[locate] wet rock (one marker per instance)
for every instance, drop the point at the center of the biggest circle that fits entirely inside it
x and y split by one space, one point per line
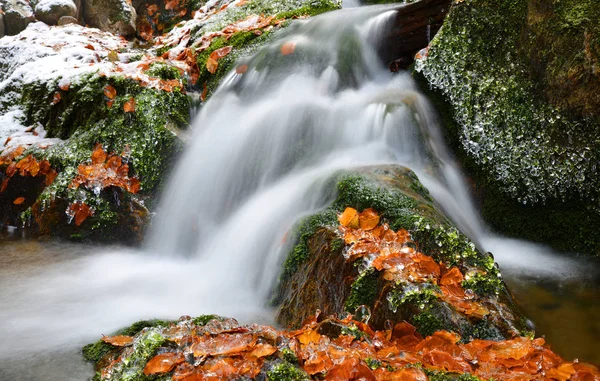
50 11
17 15
523 87
65 20
1 25
318 274
114 16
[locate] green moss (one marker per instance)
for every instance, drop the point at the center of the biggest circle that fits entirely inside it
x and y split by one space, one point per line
437 375
305 230
288 355
422 295
285 371
483 329
372 363
95 351
352 330
137 327
163 71
428 323
204 319
483 284
364 290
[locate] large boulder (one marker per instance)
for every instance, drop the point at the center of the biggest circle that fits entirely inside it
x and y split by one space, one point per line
522 81
399 270
50 11
114 16
17 15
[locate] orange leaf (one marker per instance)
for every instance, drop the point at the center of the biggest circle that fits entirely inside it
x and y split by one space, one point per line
204 92
171 4
129 106
44 167
65 86
19 201
110 92
349 218
262 350
241 69
12 168
288 48
212 65
99 155
309 336
133 186
368 219
117 341
163 363
56 99
220 53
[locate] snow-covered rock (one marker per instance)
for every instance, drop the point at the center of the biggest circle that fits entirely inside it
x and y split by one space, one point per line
50 11
17 15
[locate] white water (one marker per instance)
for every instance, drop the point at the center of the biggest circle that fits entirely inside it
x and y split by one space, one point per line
262 151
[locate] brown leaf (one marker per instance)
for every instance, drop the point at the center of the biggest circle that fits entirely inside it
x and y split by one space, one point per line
212 65
19 201
204 92
117 341
11 169
110 92
241 69
56 99
133 186
129 106
262 350
220 53
65 86
163 363
368 219
288 48
349 218
50 177
4 185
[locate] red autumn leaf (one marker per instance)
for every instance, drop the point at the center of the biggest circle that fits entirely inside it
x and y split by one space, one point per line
19 201
129 106
288 48
110 92
133 186
349 218
163 363
368 219
117 341
204 92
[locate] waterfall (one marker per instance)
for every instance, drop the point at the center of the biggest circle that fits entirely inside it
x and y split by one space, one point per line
262 151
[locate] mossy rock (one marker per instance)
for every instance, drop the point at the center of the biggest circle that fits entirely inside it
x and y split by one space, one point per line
317 276
522 83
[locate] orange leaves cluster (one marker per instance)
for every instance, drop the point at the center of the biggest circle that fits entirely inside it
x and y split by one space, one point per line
213 60
105 171
394 253
325 350
28 166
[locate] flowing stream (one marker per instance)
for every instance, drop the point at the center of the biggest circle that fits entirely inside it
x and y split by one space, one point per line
262 151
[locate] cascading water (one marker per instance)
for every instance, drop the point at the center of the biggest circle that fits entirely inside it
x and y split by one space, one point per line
263 149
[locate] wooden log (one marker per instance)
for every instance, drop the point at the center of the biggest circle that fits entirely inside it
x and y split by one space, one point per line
414 26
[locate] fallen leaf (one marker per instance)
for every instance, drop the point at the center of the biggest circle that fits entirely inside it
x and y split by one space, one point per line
220 53
117 341
241 69
98 155
110 92
129 106
349 218
288 48
19 201
163 363
56 99
368 219
212 65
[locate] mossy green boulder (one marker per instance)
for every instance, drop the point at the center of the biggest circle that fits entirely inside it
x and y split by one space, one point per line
522 81
318 275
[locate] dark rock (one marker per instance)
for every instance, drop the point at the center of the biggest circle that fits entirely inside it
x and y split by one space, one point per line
17 15
115 16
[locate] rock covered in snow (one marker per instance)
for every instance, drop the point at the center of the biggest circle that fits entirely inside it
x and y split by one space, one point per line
50 11
17 15
114 16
